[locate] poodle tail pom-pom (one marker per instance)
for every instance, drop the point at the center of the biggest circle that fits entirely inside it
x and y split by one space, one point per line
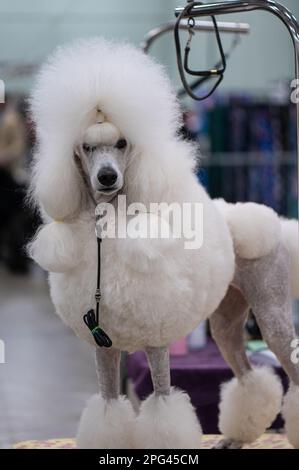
54 247
255 228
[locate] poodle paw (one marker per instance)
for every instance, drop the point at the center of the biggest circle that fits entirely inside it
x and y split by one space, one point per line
249 406
228 444
106 424
167 422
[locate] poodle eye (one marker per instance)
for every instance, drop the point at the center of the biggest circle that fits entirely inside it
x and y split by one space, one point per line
121 144
88 148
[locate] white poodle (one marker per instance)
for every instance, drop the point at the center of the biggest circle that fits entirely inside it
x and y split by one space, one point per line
107 124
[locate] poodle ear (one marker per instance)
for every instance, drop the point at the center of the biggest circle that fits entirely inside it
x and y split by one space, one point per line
57 184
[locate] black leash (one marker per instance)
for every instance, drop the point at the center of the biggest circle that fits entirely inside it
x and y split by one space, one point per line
92 318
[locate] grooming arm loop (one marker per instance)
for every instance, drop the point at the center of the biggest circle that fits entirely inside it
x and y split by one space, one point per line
235 6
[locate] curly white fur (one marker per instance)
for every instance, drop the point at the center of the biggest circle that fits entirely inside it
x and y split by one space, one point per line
167 422
54 247
107 425
104 132
249 407
290 411
255 228
148 255
64 105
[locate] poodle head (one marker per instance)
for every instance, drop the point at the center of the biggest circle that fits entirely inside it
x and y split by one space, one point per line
139 114
103 154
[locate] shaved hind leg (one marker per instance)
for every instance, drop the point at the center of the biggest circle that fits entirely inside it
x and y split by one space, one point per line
266 286
227 326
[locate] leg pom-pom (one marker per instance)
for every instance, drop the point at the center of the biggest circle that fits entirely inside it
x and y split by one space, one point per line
106 424
248 407
168 422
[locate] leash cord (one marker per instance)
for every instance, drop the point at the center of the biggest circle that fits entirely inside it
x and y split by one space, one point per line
92 318
98 293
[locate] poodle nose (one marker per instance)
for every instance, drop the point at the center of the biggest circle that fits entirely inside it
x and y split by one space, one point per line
107 176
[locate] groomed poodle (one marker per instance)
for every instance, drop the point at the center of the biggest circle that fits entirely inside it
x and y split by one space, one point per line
107 124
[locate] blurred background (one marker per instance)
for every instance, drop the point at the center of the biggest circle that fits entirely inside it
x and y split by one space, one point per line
247 135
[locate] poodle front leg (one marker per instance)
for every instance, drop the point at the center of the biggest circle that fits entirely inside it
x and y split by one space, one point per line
108 421
108 372
167 419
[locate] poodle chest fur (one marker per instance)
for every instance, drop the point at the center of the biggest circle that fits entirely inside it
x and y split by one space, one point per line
143 304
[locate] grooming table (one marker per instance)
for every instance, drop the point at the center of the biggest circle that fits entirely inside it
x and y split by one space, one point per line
267 441
200 374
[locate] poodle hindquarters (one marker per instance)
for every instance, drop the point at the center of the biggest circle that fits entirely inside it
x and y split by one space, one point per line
265 281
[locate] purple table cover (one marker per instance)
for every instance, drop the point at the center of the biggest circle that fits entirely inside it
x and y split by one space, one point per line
200 374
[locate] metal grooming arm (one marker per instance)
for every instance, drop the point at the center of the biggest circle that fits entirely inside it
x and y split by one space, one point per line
207 26
289 20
